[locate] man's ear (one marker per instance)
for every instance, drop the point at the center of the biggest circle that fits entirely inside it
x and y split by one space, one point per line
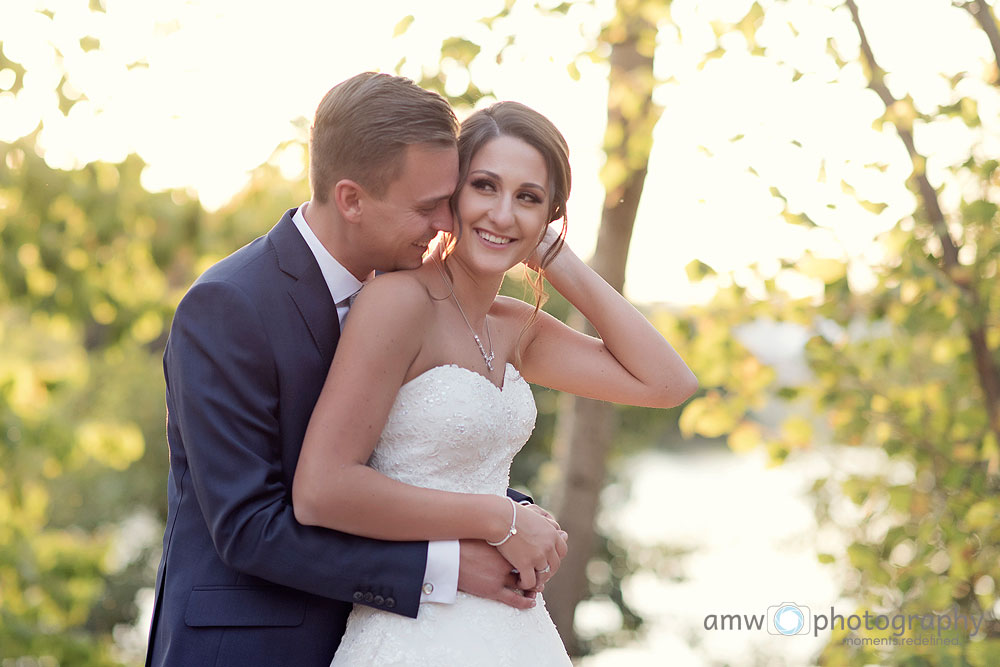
349 196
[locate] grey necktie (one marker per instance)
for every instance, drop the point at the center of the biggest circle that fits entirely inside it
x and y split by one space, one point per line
349 301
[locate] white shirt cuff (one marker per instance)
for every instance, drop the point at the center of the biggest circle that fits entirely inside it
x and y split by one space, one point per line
441 574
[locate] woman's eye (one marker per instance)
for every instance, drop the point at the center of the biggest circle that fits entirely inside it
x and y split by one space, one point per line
483 184
530 197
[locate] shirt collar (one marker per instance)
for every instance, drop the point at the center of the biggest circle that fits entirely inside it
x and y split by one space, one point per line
341 282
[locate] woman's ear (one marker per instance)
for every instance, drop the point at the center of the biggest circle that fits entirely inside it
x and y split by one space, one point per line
349 196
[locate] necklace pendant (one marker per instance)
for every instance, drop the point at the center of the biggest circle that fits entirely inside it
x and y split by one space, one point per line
488 358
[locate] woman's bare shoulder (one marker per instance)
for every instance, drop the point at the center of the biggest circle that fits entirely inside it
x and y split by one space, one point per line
399 297
507 307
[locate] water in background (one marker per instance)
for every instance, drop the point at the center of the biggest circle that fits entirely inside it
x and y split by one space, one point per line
754 539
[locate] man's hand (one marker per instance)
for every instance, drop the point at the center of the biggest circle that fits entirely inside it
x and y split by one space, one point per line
483 572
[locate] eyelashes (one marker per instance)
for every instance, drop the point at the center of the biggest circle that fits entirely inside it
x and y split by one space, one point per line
486 185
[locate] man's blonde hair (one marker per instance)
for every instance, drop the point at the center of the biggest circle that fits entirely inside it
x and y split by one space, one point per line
363 125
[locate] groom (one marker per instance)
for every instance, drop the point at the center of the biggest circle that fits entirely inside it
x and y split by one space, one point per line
241 582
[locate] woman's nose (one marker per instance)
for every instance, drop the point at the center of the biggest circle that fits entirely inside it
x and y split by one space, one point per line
502 212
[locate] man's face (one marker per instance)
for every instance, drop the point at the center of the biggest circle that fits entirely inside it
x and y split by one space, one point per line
413 209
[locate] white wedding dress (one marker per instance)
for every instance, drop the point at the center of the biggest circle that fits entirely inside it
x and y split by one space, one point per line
452 429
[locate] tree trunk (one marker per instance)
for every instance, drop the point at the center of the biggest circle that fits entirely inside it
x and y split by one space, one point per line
585 428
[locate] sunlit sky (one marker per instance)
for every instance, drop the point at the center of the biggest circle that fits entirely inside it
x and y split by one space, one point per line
220 83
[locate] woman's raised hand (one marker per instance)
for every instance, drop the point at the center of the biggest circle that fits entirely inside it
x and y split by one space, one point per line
551 235
538 547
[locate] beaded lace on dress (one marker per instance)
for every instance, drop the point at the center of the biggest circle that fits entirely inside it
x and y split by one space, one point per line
453 429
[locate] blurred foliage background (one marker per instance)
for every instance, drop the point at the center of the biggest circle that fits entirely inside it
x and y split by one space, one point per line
93 265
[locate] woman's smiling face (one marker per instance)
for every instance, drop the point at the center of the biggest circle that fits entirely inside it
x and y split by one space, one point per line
504 205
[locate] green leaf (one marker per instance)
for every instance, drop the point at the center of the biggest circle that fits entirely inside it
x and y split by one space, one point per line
874 207
460 49
970 112
900 497
403 25
708 416
979 212
985 653
115 445
856 489
825 269
745 437
798 219
863 557
981 514
697 270
797 432
940 594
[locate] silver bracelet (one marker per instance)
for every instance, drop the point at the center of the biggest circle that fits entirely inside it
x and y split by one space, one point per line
513 525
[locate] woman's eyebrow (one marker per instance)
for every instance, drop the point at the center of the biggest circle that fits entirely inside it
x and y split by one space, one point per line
495 176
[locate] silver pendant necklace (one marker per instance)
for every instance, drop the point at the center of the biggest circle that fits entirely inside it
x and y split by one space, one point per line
488 358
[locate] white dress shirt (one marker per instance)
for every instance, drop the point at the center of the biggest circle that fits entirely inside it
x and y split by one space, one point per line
441 573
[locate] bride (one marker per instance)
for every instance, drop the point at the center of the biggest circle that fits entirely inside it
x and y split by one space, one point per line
427 400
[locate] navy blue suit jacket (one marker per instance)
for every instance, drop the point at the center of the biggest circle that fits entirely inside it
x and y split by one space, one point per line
241 582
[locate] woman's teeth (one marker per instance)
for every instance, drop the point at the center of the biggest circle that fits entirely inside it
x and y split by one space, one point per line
501 240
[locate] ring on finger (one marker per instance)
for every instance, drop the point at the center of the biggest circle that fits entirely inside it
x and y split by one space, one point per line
548 568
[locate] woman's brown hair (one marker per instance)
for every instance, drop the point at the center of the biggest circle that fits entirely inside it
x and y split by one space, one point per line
512 119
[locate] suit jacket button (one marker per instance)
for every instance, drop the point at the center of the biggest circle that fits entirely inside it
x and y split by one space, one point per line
379 600
368 596
358 597
390 602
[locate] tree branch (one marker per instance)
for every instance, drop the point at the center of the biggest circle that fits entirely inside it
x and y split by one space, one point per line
986 367
876 82
981 11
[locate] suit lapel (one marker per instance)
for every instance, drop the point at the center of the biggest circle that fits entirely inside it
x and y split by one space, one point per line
309 291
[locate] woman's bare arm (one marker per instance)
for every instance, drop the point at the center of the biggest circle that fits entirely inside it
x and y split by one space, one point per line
631 363
335 488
